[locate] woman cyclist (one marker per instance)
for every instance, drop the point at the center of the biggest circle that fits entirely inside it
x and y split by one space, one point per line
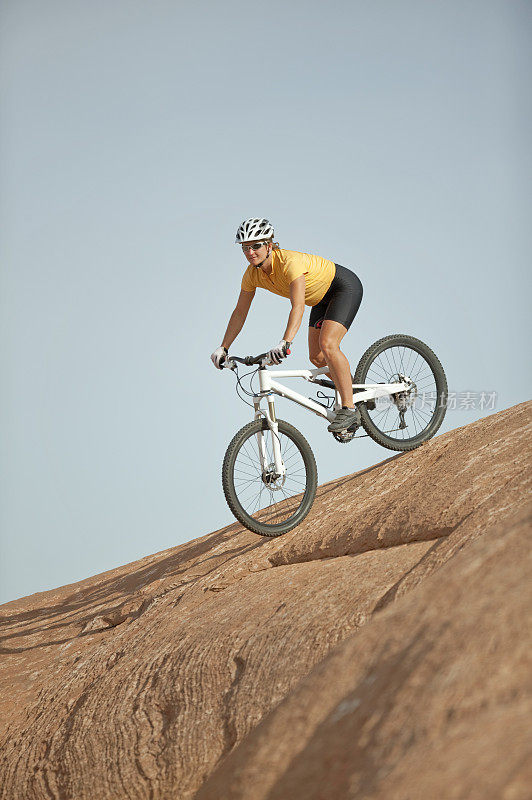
333 292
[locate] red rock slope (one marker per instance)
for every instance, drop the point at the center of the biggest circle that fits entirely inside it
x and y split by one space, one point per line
380 650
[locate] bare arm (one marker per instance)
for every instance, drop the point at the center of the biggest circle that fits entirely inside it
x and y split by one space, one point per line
297 298
238 317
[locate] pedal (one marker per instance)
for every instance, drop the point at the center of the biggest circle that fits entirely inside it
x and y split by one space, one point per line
344 436
347 434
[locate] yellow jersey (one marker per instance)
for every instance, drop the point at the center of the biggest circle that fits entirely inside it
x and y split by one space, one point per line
287 265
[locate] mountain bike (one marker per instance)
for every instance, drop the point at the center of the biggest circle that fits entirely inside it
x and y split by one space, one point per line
269 473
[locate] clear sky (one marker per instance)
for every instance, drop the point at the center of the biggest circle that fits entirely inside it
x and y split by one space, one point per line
391 137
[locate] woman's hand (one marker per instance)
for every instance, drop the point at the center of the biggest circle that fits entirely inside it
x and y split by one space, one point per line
219 356
276 354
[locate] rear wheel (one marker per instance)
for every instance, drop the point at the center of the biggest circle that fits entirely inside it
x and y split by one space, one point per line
406 420
262 501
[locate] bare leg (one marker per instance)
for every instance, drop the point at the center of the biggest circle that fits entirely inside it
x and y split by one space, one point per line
314 350
331 335
315 354
339 371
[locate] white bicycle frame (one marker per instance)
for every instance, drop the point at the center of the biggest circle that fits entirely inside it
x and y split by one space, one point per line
270 387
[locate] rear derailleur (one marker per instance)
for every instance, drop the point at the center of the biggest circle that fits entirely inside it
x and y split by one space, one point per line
403 400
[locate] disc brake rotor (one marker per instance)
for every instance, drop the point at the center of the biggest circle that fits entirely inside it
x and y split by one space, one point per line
272 479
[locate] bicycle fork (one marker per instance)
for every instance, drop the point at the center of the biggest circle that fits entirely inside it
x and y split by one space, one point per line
269 415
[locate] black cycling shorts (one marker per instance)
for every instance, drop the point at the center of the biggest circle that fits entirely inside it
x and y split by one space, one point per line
341 300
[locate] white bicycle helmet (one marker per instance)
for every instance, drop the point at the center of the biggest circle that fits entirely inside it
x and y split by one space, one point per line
254 228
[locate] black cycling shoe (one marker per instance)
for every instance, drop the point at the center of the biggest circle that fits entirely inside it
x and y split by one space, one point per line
346 418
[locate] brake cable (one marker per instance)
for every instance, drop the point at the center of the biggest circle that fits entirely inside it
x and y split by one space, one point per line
239 378
321 395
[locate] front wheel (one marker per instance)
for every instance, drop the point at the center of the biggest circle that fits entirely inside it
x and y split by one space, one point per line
262 501
409 418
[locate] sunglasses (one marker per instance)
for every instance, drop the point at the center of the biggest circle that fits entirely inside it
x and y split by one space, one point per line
246 247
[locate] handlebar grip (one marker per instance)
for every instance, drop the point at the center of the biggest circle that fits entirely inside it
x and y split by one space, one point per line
251 360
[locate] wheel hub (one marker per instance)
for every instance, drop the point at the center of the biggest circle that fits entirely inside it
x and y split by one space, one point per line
270 478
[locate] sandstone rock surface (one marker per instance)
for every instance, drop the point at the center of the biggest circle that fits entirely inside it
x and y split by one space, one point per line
380 650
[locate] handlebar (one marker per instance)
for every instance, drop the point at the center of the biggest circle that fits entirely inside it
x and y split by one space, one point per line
249 361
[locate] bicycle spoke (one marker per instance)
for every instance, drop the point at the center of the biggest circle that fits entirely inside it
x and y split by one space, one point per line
280 499
388 367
